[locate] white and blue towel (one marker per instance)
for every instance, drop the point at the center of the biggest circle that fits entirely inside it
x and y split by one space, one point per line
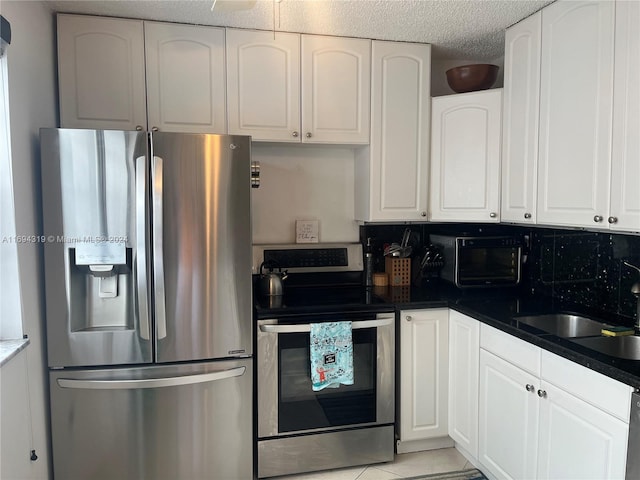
331 355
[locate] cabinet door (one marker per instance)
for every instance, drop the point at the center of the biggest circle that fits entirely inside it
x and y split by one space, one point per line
575 113
396 166
465 157
263 85
185 78
577 440
464 358
520 121
625 194
336 78
101 73
423 374
508 419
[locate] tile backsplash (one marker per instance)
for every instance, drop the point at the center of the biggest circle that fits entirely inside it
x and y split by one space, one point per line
569 265
585 268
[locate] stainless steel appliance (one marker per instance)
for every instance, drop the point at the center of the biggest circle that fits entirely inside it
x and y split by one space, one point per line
300 430
480 261
633 462
149 307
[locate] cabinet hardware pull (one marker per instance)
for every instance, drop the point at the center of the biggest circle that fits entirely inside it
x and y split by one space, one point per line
542 393
423 214
612 219
308 134
527 216
139 128
530 388
154 129
409 318
598 218
294 134
493 214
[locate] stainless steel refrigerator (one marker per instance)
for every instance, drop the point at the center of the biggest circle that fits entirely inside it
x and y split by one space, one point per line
147 242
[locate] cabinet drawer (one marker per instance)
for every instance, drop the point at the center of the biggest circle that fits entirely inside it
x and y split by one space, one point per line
510 348
599 390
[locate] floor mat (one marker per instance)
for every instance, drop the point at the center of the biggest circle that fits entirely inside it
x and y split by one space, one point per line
472 474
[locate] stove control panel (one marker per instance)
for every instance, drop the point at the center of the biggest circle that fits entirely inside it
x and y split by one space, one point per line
309 258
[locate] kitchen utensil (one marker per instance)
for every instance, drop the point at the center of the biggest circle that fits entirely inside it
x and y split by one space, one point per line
271 283
469 78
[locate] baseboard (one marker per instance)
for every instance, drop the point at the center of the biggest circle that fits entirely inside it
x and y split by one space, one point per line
410 446
465 453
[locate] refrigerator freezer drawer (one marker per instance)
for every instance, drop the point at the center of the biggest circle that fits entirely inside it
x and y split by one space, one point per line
159 422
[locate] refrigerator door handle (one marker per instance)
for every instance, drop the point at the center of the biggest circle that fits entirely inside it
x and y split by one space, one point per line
150 382
382 321
158 264
141 247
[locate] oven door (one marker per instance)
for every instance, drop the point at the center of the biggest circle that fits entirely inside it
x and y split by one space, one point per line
287 403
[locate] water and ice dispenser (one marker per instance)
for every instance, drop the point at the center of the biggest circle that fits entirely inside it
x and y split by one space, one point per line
94 198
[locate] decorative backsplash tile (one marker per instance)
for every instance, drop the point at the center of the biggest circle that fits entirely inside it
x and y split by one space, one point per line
585 268
569 265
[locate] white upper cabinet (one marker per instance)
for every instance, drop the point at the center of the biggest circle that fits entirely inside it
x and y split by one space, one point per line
393 172
298 88
575 113
520 121
185 78
465 157
101 73
336 89
101 67
263 85
625 173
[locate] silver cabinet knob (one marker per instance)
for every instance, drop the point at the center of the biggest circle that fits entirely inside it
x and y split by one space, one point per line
612 220
294 134
527 216
598 218
493 214
154 129
423 214
139 128
308 134
408 318
530 388
542 393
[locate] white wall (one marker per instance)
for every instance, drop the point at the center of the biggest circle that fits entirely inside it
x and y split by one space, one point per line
32 100
304 183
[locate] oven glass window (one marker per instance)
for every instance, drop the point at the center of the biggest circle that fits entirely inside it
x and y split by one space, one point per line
494 263
300 408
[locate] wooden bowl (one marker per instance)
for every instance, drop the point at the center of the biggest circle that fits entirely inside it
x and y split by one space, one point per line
469 78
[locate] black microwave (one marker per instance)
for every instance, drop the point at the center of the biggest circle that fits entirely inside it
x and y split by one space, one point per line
480 261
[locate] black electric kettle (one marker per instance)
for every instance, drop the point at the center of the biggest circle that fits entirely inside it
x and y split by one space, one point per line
271 283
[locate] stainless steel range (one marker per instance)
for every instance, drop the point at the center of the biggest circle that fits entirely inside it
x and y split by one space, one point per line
301 430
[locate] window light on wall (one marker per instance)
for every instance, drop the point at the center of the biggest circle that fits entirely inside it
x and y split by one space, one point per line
10 303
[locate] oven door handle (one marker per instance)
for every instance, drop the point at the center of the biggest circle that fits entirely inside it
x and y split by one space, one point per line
381 321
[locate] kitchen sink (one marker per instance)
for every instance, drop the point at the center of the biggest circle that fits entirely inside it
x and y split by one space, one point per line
566 325
627 347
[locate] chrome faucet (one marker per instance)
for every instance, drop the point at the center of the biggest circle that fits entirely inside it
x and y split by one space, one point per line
635 290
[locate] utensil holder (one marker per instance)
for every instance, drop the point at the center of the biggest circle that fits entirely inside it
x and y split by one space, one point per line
398 270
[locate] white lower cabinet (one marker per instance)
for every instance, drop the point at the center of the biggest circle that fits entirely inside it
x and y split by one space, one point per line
464 348
544 417
424 377
508 419
577 440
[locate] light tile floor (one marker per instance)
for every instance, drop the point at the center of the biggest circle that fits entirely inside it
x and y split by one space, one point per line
405 465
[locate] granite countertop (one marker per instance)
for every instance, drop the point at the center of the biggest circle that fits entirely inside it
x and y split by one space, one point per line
10 348
498 308
495 307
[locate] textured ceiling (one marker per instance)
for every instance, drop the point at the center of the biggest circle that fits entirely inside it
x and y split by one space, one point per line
457 29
